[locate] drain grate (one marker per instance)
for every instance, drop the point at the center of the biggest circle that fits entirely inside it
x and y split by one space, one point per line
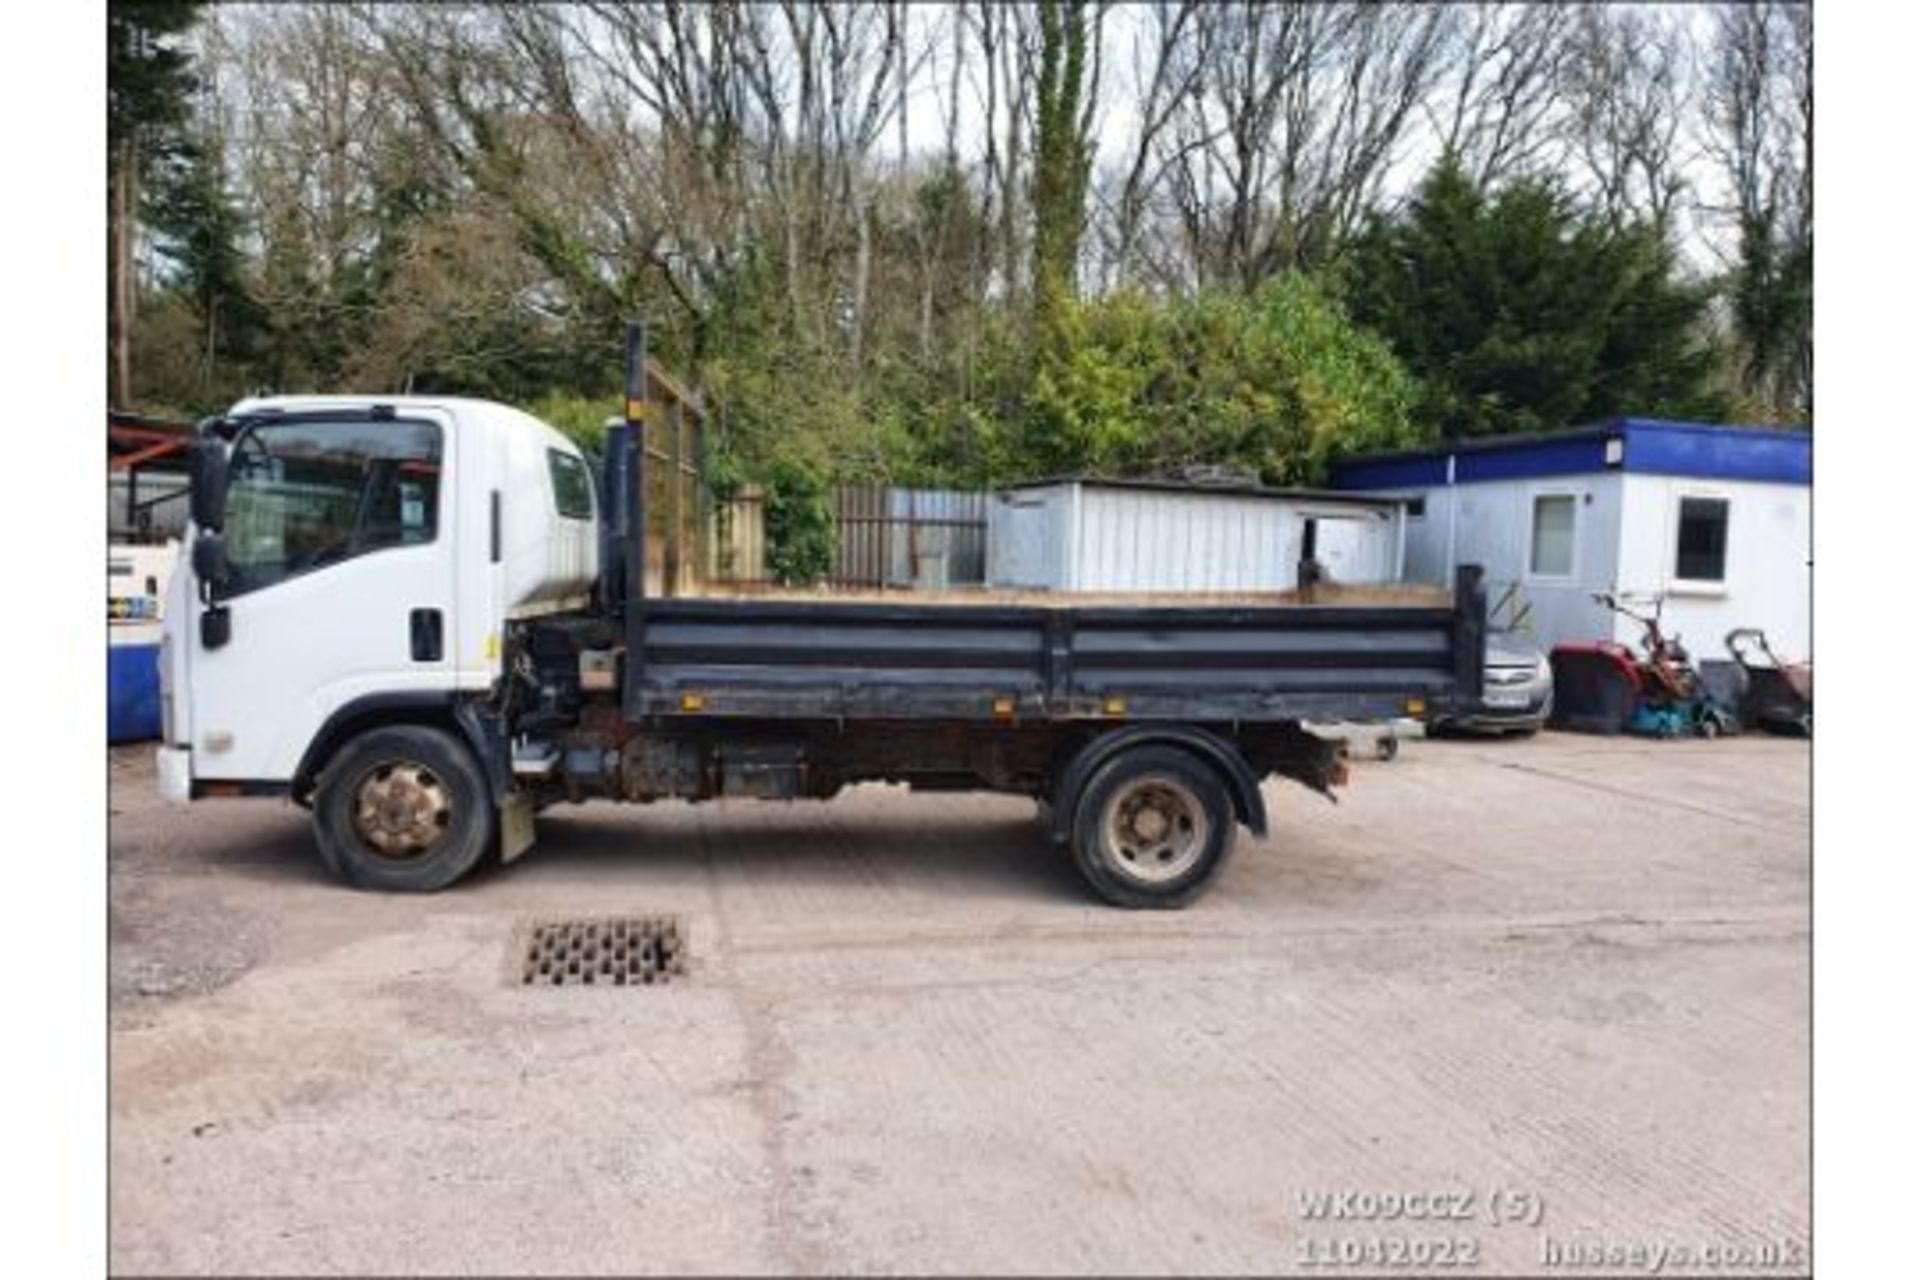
603 951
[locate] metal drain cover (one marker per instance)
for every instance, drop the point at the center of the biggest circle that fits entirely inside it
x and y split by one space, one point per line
602 951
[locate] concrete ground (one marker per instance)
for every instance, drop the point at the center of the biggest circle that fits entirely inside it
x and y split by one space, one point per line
1567 979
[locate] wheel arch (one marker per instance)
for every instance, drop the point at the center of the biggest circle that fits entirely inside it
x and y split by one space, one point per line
1243 786
443 710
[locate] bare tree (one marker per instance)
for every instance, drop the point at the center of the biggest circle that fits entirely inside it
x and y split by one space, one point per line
324 157
931 228
1294 122
1169 53
1627 74
1507 88
1008 40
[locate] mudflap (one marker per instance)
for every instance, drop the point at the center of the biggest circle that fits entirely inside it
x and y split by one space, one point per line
516 827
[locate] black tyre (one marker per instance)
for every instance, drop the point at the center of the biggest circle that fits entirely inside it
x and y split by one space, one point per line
1152 827
403 809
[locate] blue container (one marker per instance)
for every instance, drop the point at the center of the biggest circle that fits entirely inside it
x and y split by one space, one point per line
133 692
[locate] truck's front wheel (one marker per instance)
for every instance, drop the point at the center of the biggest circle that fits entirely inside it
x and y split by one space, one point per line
404 809
1152 827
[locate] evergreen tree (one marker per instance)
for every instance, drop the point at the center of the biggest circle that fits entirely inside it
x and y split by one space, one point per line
197 231
1517 312
1770 292
148 86
148 76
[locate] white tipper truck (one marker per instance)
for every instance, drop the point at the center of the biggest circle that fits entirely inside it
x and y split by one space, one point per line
425 619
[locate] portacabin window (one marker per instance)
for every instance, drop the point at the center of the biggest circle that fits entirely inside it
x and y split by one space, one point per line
1700 539
304 495
572 485
1551 544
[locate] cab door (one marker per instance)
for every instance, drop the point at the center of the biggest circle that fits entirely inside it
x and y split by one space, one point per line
340 540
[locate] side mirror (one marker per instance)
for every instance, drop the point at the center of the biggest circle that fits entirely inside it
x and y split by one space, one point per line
209 482
216 626
210 558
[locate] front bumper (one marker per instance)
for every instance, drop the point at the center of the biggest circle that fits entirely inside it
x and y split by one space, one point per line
1508 704
1502 718
174 773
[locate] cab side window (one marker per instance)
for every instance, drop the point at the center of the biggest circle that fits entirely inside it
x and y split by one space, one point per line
572 485
304 495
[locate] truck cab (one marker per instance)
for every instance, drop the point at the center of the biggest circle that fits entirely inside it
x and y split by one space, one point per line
357 566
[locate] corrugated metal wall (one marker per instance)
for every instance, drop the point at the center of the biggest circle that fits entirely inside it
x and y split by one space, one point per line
1077 537
1360 549
938 537
1074 537
1026 537
1141 540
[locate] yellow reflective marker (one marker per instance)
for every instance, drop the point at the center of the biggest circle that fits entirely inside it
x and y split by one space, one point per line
1003 706
1415 706
1114 706
692 702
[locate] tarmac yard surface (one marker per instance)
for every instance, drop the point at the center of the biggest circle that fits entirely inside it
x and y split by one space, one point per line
1561 986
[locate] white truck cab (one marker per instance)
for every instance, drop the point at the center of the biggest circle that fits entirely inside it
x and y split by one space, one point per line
374 548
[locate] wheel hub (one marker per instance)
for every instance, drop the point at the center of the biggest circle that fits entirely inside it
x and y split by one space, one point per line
1158 827
402 810
1151 824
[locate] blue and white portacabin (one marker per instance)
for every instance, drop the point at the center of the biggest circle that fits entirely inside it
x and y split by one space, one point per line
137 578
1715 520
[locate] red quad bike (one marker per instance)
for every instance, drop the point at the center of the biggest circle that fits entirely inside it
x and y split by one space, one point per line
1672 700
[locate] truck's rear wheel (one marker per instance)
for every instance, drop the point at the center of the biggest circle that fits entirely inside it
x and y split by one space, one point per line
403 809
1152 827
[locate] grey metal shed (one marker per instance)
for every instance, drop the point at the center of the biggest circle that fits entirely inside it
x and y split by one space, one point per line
1082 533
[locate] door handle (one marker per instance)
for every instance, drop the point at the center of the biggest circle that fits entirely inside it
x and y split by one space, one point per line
425 634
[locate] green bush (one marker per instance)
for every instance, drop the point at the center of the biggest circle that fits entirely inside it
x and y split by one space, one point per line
724 476
800 532
1275 383
581 419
